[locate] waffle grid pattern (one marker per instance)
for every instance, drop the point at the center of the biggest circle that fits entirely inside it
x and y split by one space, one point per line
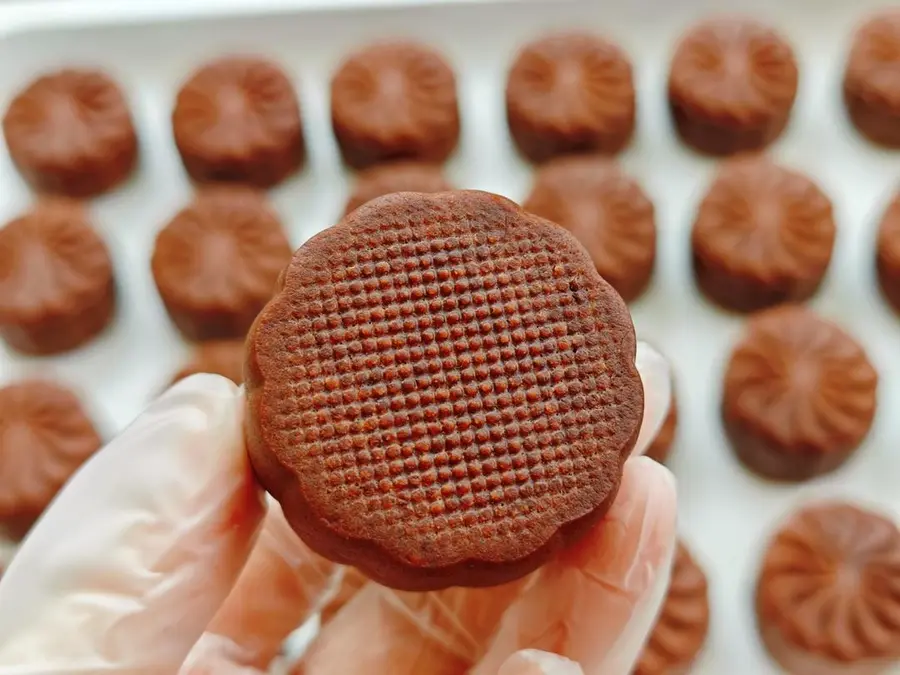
447 381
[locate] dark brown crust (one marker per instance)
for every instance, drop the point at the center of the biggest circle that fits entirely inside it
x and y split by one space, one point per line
763 236
871 92
383 179
279 344
57 289
607 212
36 463
799 395
216 262
395 101
58 148
224 135
826 596
219 357
661 445
599 115
683 622
720 110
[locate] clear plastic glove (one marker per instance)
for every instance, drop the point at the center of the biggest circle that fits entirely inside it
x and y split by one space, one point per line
159 558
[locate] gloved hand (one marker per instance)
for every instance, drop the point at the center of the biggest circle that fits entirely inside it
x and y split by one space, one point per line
160 556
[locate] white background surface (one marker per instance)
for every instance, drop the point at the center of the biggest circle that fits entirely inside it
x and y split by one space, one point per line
725 513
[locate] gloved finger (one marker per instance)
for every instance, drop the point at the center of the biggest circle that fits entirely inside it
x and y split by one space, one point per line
282 584
351 583
138 551
535 662
399 633
218 655
596 603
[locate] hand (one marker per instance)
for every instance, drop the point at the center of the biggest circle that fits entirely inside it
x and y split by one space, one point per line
160 557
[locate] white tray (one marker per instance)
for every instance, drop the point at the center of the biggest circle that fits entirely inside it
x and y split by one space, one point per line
725 512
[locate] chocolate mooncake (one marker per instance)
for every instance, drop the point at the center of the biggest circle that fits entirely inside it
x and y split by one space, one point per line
442 391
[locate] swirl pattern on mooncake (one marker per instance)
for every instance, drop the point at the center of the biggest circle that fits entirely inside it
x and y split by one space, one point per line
732 85
828 593
570 92
217 261
57 289
799 394
237 119
70 133
45 436
763 235
607 211
395 101
683 621
872 79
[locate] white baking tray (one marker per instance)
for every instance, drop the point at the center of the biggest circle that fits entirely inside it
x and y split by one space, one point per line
725 513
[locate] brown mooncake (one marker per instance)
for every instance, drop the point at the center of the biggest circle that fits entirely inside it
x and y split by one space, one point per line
683 622
45 436
763 235
384 179
216 262
732 86
57 288
828 593
570 93
237 119
872 79
395 101
443 391
799 395
607 211
70 133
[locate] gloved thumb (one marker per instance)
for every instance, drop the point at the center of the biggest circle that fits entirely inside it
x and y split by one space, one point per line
127 567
